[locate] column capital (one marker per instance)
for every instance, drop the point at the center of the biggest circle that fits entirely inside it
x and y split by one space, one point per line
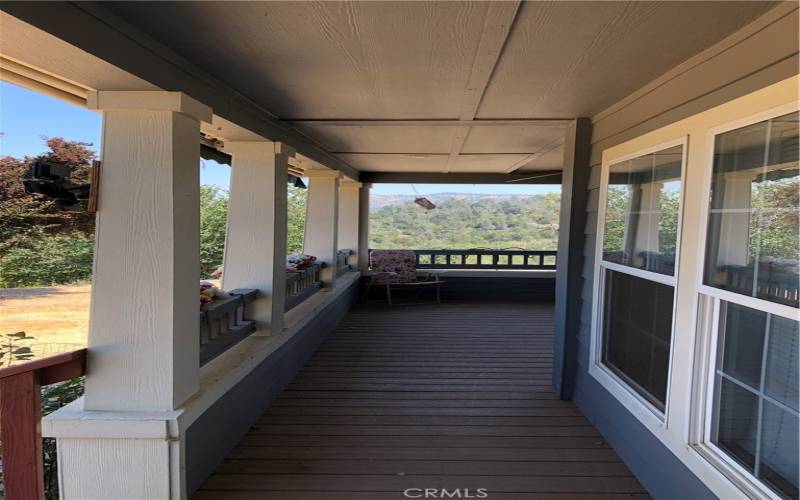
157 100
322 174
264 147
346 182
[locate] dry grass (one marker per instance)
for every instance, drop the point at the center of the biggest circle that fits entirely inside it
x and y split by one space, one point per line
58 317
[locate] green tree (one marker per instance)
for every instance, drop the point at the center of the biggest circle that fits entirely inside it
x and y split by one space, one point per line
296 218
23 217
213 219
529 222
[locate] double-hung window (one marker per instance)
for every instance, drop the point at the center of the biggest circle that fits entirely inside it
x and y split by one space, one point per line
636 272
751 278
696 292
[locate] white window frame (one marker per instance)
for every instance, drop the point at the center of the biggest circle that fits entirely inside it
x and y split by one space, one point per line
686 400
643 409
709 301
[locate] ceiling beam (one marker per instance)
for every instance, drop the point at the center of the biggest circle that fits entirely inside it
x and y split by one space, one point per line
499 18
401 122
426 155
524 161
94 29
543 177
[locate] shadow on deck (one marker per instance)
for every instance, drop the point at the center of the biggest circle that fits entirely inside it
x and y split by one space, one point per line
455 396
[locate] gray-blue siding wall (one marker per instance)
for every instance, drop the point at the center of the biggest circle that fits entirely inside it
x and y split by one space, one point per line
214 434
760 54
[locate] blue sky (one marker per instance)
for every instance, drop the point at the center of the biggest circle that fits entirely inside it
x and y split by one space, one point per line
26 116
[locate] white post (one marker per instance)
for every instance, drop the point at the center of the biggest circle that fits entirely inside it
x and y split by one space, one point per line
143 332
348 219
735 226
363 228
322 218
123 439
255 244
648 217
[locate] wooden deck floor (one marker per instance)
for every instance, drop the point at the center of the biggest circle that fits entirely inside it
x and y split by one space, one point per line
450 396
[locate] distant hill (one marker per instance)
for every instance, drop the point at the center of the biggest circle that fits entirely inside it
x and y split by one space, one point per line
465 220
378 201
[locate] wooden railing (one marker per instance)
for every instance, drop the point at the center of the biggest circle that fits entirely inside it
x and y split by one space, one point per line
223 323
21 415
479 258
301 285
342 266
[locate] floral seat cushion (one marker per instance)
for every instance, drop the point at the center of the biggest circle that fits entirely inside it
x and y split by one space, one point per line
403 263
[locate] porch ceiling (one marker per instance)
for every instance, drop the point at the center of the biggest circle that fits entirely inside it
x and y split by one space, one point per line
437 86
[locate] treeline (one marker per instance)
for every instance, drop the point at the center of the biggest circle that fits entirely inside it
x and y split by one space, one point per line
529 222
41 245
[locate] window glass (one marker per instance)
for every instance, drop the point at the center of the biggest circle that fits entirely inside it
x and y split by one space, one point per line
753 243
755 417
637 326
641 221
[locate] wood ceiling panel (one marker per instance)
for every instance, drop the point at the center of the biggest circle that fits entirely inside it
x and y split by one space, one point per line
485 163
513 138
434 139
567 59
327 59
548 160
429 61
396 163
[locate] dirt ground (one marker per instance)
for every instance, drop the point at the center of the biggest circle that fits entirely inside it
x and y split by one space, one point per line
57 317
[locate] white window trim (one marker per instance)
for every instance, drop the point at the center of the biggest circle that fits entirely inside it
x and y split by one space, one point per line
709 300
647 413
686 383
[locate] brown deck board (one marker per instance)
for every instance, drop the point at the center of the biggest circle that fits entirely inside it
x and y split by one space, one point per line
440 396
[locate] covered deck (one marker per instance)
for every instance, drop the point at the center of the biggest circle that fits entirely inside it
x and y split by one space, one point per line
453 396
295 390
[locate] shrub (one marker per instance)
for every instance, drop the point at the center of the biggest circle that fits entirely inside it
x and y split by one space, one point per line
47 260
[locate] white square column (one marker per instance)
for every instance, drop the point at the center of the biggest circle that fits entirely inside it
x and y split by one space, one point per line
144 325
322 220
255 244
348 218
124 439
363 228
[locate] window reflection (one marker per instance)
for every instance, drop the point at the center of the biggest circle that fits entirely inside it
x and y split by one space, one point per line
756 416
753 241
637 331
641 222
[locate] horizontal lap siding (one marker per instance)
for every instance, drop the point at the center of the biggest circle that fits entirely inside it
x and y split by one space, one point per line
761 54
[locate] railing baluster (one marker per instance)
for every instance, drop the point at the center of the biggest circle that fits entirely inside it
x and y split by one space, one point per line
485 259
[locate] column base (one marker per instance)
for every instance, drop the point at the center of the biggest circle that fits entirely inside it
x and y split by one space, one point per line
106 455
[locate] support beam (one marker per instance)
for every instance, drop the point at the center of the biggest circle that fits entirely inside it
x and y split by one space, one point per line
322 221
123 440
569 279
542 177
363 228
348 219
434 122
499 18
255 243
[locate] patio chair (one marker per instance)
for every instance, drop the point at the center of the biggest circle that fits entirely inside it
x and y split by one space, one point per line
397 270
